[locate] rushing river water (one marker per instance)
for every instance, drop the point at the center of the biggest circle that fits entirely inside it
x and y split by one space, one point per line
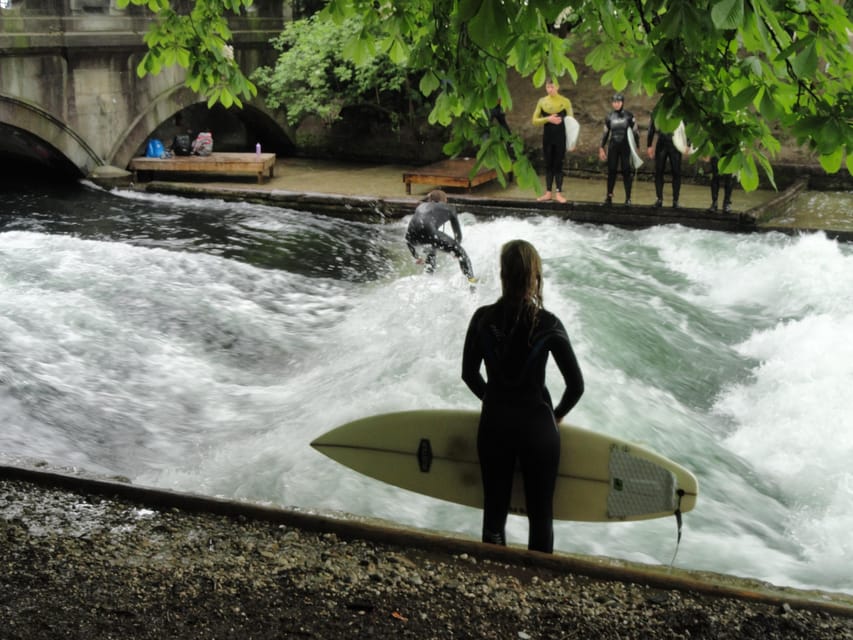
201 345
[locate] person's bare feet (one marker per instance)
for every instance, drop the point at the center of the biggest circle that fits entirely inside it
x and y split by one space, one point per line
545 197
560 198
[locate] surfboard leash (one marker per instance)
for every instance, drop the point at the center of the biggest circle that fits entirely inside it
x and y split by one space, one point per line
678 523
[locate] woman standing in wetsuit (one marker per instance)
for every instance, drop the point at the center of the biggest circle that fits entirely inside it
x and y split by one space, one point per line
618 125
549 114
518 422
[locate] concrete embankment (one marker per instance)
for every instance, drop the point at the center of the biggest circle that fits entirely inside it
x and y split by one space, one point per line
384 533
376 193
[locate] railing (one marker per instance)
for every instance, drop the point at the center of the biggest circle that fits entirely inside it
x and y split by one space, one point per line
34 24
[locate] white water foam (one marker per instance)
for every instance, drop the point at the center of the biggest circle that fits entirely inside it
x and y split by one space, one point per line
726 353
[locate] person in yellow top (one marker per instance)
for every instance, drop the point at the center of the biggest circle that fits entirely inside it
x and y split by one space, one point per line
549 113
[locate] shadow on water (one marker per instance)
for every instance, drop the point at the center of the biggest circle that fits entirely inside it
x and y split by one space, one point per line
303 243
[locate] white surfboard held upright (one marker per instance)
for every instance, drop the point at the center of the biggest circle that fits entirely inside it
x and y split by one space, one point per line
679 138
601 478
573 130
636 160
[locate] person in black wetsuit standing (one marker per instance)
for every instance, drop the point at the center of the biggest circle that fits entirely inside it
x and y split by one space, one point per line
618 125
425 231
662 152
551 110
518 422
728 181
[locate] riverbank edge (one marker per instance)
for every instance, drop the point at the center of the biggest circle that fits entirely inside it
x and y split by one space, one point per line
350 527
378 209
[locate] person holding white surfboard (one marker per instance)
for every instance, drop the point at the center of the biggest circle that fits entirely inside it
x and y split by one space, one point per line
620 129
665 151
549 114
518 423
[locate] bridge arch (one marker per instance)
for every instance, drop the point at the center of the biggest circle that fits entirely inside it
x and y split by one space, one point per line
156 120
43 126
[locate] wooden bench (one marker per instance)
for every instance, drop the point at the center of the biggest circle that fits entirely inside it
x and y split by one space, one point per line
260 164
455 172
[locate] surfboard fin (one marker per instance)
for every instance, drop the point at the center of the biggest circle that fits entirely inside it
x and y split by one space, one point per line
678 524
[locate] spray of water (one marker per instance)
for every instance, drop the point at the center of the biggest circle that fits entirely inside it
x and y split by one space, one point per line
203 348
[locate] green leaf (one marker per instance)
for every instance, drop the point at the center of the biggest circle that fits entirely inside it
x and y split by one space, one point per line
399 52
727 14
490 22
615 77
744 98
467 9
749 174
832 163
357 50
183 57
805 63
429 83
768 107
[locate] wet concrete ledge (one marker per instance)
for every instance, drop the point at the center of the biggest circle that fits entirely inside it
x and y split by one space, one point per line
379 209
353 527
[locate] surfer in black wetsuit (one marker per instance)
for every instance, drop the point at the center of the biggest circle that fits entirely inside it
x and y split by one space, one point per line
662 152
618 125
518 422
425 231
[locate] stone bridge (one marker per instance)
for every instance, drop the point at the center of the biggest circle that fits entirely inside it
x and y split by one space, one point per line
70 97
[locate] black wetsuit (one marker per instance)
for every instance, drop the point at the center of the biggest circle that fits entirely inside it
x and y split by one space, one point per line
728 186
618 125
518 421
554 150
665 151
425 230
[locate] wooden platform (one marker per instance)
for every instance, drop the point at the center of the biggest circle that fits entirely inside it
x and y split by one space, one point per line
455 172
261 165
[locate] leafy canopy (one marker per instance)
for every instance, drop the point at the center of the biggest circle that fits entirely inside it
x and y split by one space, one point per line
736 71
312 75
739 72
198 42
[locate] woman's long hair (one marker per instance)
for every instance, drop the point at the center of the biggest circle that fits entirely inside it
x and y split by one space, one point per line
521 281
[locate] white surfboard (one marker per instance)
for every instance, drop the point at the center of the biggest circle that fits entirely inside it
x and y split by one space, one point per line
636 160
573 130
679 138
601 478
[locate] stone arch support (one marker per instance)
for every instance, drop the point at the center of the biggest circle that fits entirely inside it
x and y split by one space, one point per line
40 123
178 98
146 121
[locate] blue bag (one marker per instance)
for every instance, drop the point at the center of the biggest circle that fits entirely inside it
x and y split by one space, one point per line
154 149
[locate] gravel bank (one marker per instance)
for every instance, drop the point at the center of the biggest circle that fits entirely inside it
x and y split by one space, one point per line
93 565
